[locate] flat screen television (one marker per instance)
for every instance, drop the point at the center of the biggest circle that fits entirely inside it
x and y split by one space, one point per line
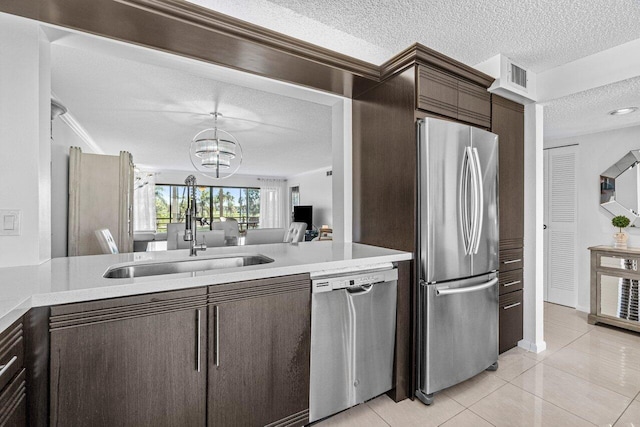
303 214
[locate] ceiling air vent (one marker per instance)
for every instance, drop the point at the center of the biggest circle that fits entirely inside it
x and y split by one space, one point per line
518 76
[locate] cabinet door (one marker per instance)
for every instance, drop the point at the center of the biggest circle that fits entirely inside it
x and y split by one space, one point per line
474 104
135 365
13 403
508 124
437 92
259 349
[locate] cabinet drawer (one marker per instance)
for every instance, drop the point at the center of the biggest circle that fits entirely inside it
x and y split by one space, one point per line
510 281
437 92
510 314
11 353
13 403
510 259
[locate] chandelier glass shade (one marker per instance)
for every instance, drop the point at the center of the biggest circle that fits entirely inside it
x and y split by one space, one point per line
215 153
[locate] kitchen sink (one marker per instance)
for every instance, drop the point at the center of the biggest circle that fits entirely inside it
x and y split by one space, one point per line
184 266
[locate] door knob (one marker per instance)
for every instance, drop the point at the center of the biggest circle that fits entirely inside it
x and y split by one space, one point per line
544 227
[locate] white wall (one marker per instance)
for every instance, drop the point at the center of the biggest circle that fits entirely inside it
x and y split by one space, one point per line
25 174
316 190
597 152
533 270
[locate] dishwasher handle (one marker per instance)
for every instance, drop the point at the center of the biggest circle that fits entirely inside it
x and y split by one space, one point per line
360 290
447 291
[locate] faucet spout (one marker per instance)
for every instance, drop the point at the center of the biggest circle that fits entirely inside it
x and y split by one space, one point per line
190 228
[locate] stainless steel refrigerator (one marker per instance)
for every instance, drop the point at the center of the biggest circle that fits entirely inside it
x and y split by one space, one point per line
457 255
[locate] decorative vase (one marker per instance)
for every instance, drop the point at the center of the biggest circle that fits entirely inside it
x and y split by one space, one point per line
621 240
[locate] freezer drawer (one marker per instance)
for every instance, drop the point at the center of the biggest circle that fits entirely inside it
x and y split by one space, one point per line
352 344
458 331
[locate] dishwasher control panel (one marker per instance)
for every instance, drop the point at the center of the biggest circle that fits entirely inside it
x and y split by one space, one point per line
332 283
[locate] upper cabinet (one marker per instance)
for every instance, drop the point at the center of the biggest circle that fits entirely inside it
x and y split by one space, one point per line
508 124
446 95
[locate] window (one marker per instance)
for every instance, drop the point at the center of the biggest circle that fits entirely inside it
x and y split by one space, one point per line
239 203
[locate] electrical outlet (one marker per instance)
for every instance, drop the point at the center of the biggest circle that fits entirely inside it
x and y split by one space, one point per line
10 221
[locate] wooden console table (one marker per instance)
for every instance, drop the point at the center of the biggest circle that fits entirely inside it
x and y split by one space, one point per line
615 285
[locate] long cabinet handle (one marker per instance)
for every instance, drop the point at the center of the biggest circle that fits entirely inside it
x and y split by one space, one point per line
515 282
217 319
511 261
5 368
507 307
198 338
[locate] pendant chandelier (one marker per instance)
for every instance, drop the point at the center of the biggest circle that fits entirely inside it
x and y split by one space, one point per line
214 152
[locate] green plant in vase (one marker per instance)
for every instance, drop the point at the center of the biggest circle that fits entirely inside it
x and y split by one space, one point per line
621 237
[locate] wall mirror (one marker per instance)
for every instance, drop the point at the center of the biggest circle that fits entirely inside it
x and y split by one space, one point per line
620 187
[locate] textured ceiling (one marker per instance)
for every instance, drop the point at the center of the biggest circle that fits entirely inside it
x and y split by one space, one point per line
538 34
587 112
153 112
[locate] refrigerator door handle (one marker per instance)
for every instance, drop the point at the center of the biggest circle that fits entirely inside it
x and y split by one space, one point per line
463 203
446 291
479 198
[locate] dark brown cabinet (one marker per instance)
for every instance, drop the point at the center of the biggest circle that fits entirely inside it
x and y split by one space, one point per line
231 354
13 396
446 95
135 361
259 352
510 320
508 124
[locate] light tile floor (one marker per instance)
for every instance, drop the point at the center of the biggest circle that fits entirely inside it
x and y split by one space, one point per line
589 375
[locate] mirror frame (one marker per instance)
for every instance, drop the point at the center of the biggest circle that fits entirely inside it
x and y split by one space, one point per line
608 187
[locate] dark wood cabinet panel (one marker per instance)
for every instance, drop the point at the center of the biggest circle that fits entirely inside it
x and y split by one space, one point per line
510 320
13 402
510 259
11 353
385 164
508 124
437 92
474 104
259 352
403 372
130 364
510 281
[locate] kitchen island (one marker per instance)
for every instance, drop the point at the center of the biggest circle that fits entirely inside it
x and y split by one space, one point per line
201 348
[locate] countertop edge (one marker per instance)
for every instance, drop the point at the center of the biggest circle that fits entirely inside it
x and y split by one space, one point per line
23 305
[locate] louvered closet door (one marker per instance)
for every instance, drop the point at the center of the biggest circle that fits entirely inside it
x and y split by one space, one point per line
561 218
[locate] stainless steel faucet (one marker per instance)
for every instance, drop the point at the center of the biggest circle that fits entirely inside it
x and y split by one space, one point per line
191 228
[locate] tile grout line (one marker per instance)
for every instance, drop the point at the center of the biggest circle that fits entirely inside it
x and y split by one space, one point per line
377 414
588 354
553 404
569 373
480 416
491 392
626 409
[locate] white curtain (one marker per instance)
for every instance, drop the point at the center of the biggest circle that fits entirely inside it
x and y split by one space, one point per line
273 202
144 202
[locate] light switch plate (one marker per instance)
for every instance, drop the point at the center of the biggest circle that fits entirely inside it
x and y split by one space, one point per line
10 222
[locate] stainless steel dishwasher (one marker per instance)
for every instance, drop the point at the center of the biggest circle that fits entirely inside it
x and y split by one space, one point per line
353 324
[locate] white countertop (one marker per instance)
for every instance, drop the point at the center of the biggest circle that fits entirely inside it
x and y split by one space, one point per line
76 279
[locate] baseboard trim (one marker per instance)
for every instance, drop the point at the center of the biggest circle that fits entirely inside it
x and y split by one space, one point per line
583 309
538 347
